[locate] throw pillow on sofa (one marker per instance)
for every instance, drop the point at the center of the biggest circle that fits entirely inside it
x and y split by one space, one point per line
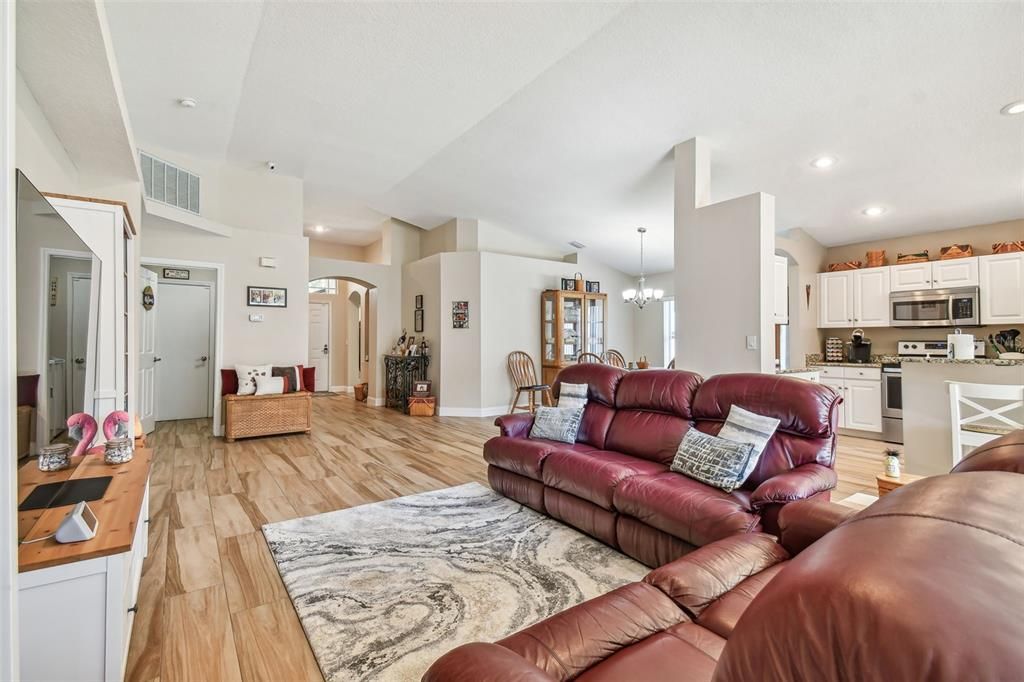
247 377
572 395
271 385
294 376
715 461
743 426
557 423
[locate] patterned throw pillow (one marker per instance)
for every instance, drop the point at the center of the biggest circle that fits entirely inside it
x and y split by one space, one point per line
247 377
293 374
572 395
271 385
743 426
557 423
716 461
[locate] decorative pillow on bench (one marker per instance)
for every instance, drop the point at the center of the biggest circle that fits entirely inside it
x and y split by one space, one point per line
247 377
557 423
294 376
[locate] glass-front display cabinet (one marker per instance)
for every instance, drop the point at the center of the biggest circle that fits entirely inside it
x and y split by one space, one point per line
571 322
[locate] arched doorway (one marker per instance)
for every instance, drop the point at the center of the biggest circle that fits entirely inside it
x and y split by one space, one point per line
339 339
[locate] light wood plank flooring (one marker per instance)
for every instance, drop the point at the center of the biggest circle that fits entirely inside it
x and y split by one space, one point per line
212 605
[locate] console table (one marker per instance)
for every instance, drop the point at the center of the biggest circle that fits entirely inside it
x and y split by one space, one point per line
399 372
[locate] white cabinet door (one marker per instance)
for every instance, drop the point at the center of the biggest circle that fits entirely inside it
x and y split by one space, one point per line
871 297
863 404
781 290
839 386
835 299
910 277
959 272
1002 288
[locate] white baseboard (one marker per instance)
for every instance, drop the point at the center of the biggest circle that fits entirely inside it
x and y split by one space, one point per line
375 402
341 389
494 411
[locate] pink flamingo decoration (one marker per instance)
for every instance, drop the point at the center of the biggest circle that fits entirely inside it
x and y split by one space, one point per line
116 425
82 427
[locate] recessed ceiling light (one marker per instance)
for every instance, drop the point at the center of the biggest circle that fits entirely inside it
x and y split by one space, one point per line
823 162
873 211
188 102
1013 108
319 228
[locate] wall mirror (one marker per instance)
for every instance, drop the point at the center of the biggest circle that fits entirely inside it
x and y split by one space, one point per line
57 308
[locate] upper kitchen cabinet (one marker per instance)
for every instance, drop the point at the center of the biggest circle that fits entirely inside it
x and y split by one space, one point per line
855 298
1002 288
781 290
939 274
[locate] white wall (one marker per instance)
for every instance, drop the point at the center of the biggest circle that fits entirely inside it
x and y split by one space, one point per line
461 349
423 277
40 154
806 259
494 238
724 256
650 322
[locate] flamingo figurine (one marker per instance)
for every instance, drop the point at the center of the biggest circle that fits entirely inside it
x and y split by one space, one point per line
82 428
116 425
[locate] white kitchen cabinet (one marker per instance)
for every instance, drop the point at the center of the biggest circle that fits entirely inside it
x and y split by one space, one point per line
863 402
957 272
1001 280
839 386
781 290
855 298
939 274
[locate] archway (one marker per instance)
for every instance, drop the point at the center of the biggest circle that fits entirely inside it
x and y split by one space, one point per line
350 346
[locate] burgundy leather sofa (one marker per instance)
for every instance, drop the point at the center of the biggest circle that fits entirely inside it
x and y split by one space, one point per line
920 585
614 483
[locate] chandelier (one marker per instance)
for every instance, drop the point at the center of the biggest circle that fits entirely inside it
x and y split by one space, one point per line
643 294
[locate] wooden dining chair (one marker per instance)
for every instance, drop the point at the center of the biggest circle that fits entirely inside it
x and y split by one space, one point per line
524 376
614 358
589 357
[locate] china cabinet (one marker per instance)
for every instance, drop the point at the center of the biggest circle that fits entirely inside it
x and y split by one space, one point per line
571 322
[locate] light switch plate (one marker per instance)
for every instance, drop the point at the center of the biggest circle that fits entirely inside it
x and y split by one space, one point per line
256 317
751 343
268 262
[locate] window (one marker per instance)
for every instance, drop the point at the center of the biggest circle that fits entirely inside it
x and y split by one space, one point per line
669 311
323 286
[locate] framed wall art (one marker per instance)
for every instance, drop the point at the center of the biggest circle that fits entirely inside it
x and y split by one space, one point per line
460 314
267 297
418 320
419 301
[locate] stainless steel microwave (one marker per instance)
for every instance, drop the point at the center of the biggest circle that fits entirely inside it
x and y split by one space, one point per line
935 308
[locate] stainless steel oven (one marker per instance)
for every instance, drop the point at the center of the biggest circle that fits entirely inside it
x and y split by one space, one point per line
935 308
892 402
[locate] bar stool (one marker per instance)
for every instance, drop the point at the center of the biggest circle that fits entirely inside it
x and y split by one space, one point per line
978 424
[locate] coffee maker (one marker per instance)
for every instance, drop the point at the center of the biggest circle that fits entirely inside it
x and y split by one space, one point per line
858 348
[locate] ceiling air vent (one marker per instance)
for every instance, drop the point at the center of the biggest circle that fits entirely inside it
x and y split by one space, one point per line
169 184
577 245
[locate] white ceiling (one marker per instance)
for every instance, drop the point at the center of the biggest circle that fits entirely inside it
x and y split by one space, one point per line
559 119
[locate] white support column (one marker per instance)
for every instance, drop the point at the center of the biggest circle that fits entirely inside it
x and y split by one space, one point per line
723 272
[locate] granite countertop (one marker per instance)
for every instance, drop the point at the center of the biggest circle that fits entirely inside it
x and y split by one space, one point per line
795 370
874 363
999 362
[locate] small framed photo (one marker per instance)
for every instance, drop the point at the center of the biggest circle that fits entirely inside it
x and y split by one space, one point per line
419 301
421 388
568 284
267 297
460 314
176 273
593 287
418 320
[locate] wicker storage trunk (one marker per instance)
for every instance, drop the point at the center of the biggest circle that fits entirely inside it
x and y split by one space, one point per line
246 416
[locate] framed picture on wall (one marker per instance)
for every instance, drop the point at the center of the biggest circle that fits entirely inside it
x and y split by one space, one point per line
419 301
267 297
460 314
418 320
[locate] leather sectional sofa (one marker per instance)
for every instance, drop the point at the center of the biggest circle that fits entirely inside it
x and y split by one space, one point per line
925 584
614 483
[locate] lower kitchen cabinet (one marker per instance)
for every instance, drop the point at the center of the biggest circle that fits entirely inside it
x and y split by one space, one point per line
861 390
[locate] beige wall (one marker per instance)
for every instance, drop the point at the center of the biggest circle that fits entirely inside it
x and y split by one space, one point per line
650 322
423 277
461 349
806 259
324 249
979 236
39 152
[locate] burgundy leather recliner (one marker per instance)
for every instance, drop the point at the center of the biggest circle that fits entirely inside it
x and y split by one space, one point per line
614 483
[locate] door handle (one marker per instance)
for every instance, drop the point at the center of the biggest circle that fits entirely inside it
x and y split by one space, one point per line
79 361
157 359
203 359
325 349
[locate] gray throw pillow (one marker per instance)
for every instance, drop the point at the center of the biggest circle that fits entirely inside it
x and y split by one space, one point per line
743 426
557 423
716 461
572 395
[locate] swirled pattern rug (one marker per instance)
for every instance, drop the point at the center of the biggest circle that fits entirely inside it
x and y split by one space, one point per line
384 589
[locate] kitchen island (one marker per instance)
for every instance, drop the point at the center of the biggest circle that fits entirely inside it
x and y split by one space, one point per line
927 425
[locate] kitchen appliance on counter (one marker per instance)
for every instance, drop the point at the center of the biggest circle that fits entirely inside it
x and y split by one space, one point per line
957 307
858 348
960 346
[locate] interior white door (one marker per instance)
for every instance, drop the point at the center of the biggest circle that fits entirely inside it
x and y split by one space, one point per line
183 337
319 343
147 354
81 286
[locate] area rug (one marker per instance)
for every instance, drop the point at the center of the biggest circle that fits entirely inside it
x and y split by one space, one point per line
384 589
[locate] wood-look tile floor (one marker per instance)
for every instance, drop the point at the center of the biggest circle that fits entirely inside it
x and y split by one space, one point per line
212 605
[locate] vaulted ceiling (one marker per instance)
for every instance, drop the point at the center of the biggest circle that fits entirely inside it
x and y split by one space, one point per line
558 119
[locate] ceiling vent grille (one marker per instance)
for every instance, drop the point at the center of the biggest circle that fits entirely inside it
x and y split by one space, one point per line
169 184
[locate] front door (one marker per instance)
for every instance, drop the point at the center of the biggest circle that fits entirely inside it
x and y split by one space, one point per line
319 343
183 386
147 354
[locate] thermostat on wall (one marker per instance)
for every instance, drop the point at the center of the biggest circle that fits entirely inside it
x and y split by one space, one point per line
268 262
256 317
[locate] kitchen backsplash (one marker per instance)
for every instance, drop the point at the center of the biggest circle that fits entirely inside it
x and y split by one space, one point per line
884 339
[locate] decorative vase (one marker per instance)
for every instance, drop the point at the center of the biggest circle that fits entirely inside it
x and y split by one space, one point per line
892 465
55 457
118 451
